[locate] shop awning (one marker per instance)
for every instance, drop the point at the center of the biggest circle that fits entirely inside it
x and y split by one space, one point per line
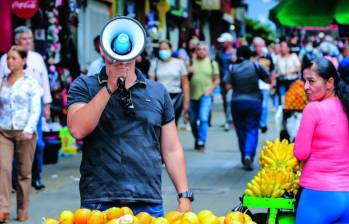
310 12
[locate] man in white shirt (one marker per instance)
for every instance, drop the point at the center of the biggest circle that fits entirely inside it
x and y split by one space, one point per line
36 68
97 65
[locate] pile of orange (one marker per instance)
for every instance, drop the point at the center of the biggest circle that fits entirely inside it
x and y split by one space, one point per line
125 215
295 97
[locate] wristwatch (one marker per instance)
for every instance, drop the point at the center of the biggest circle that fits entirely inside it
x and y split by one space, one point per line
187 194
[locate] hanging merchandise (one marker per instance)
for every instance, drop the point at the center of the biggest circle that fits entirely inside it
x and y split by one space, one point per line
53 48
181 10
163 8
152 25
131 10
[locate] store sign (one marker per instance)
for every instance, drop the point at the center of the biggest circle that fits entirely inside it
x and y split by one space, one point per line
25 8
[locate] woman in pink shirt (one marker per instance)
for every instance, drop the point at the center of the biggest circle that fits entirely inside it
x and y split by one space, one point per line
322 143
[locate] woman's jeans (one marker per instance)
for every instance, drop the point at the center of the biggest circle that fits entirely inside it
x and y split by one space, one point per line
265 110
323 207
198 115
156 210
247 114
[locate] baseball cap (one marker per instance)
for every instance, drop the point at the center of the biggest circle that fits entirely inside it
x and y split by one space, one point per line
225 37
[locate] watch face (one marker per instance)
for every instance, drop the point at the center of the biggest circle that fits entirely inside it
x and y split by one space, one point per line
187 194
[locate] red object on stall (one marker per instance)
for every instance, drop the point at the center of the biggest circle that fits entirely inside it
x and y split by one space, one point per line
6 25
25 9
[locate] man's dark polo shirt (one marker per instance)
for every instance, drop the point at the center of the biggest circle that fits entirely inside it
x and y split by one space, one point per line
121 159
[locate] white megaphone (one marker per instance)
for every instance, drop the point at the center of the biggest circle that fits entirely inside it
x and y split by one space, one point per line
122 39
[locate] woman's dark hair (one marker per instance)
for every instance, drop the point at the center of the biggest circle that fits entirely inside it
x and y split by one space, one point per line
22 53
165 41
243 53
325 69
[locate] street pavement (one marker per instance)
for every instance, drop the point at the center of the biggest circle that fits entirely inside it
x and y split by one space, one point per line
216 176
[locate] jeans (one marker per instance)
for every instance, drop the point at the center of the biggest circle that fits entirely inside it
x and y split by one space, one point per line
198 115
332 205
247 114
39 152
265 109
226 108
156 210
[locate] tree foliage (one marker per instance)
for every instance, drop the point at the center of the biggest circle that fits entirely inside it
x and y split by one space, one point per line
254 29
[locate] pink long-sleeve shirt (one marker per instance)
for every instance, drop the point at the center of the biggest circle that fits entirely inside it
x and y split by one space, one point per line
323 143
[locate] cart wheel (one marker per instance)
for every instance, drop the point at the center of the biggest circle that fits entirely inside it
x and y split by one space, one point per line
260 218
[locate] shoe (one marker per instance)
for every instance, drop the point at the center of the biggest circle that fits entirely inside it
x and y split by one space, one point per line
226 127
4 217
201 148
38 185
248 163
22 216
264 129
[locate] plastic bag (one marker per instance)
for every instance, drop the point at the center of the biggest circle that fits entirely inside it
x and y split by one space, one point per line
292 125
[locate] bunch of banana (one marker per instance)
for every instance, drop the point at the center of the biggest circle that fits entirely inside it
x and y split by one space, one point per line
269 182
278 154
295 184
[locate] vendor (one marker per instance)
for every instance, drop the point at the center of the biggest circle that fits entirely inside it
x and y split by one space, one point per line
322 143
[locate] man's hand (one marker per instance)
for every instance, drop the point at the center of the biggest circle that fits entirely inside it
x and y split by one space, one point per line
186 106
184 205
115 71
47 111
26 136
208 92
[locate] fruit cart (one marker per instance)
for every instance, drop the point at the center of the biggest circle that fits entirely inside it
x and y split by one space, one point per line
274 206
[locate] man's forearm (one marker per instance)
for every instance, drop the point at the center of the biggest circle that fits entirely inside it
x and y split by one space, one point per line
175 164
84 120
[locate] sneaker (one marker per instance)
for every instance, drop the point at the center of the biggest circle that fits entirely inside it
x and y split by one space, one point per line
201 148
264 129
226 127
248 163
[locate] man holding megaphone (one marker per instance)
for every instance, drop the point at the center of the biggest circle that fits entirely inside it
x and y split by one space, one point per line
127 125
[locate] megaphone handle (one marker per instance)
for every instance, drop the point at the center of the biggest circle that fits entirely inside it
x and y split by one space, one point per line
121 84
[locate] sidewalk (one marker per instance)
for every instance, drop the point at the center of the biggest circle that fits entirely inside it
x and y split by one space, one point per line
216 176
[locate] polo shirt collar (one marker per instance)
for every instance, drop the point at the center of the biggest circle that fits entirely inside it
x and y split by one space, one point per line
103 78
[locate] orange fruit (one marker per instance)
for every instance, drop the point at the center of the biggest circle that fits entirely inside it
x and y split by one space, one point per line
203 213
209 219
66 217
81 215
126 211
160 220
97 217
173 216
247 218
51 221
114 213
219 220
113 221
144 218
190 218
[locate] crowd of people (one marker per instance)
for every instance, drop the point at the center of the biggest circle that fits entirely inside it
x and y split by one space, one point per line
133 124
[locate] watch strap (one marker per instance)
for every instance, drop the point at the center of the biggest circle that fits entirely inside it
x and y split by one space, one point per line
108 90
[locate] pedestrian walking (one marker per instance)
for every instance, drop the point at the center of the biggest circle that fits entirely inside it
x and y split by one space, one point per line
37 69
224 58
205 78
19 112
246 103
172 73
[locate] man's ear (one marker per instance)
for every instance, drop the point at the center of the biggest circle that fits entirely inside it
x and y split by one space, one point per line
101 52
